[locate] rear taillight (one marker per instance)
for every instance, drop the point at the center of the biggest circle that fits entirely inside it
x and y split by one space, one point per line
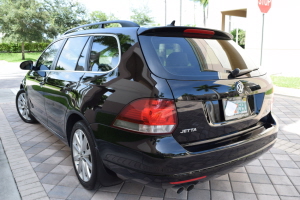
154 116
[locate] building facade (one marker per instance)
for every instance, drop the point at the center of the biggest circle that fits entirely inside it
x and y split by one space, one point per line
281 46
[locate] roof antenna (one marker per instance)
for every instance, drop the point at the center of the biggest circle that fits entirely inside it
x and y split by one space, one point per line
172 23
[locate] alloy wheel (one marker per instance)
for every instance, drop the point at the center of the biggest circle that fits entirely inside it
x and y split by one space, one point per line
82 155
23 106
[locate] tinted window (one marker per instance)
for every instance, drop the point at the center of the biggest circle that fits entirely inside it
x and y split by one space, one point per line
104 54
190 56
48 56
70 53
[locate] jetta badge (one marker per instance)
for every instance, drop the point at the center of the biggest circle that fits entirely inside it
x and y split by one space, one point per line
239 87
189 130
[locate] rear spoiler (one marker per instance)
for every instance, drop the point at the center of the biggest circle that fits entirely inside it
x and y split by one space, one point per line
188 32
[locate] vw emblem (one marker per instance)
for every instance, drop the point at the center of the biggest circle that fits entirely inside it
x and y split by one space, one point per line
239 87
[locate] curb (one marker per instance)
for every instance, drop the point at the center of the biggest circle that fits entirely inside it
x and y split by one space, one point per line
289 92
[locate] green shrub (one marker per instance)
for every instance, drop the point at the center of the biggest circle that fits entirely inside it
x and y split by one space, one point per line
14 48
17 47
4 47
242 35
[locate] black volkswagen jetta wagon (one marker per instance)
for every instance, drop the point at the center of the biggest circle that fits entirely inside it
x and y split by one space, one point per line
164 106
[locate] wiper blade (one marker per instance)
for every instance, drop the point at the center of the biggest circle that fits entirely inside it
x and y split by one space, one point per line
237 72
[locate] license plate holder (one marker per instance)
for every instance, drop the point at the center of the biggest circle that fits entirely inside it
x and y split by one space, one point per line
235 108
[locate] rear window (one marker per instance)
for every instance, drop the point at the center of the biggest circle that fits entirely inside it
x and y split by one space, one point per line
191 56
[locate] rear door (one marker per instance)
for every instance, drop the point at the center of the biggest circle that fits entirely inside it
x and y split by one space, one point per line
210 102
62 81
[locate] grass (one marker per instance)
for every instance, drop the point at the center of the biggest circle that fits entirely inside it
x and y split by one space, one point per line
17 57
288 82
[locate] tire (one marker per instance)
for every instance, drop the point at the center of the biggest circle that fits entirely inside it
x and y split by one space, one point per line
84 157
23 108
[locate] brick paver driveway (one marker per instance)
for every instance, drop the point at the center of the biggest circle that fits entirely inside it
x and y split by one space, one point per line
42 166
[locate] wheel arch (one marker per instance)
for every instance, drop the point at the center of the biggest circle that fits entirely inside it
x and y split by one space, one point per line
106 174
23 83
71 119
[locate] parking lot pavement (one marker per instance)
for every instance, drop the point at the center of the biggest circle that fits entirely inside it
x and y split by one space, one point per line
10 74
42 168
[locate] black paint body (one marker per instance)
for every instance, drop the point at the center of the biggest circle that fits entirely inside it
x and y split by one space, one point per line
60 98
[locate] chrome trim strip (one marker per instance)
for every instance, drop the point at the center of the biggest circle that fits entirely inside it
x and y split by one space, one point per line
233 121
259 136
221 138
82 35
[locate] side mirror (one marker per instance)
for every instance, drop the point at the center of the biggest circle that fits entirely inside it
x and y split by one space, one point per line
26 65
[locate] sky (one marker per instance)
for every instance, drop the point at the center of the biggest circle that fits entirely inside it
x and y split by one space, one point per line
122 9
192 13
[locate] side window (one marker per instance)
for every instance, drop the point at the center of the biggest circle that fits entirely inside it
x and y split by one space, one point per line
47 58
104 54
70 53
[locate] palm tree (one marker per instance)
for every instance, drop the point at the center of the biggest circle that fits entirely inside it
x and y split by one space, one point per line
165 12
204 4
206 88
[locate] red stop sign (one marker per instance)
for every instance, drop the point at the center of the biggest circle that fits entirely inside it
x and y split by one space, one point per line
264 5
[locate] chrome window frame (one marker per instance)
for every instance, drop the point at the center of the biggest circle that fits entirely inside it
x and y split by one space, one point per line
82 35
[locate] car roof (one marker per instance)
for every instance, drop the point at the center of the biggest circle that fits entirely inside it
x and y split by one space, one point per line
168 31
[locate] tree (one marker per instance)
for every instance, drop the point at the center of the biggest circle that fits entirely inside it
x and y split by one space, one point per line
141 16
241 38
206 88
204 4
98 16
65 14
34 20
23 21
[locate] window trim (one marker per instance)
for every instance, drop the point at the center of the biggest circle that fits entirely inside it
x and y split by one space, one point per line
85 45
88 54
57 53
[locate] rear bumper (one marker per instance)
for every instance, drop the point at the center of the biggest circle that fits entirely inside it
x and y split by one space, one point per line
165 161
164 181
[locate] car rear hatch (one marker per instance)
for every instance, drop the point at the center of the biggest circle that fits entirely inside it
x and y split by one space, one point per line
220 94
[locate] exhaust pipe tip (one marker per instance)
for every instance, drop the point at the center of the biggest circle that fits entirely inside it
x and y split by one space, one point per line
180 190
190 187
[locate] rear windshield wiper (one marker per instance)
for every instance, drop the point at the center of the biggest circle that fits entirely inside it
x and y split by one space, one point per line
238 72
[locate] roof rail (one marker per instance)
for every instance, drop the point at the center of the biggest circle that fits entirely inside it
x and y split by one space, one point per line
101 25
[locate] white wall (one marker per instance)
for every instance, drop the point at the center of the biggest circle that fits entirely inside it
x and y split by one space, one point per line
215 8
281 50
